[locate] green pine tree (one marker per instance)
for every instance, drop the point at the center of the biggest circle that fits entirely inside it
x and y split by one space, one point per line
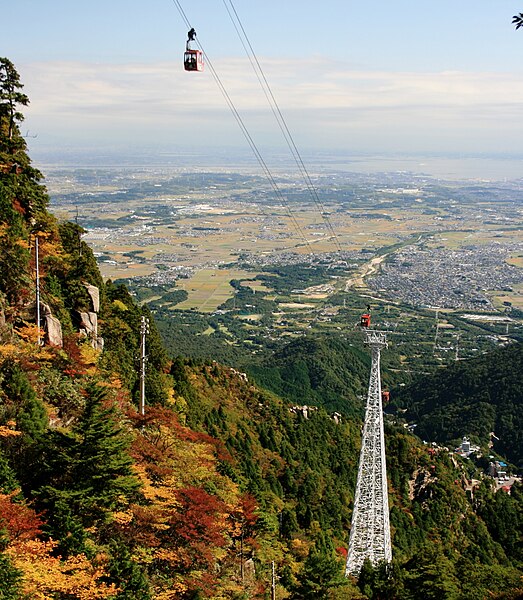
23 200
11 97
10 578
14 256
366 578
128 576
8 481
381 582
22 404
86 473
17 175
432 576
321 571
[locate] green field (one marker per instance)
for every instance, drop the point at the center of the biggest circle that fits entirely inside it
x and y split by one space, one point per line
209 288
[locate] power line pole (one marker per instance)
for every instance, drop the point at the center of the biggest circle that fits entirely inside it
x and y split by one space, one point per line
370 528
37 265
456 357
437 332
144 330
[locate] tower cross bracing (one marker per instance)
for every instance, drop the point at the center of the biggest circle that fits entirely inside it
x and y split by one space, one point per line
370 528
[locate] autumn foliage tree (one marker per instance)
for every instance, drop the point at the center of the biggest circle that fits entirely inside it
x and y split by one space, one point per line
190 517
29 567
17 520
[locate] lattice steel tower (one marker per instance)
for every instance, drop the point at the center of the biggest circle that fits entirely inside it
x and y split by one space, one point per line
370 529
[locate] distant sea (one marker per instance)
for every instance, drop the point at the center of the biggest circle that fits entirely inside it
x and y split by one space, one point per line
440 166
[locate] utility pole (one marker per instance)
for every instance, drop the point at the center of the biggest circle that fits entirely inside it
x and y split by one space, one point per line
242 569
273 583
436 336
144 330
370 528
79 235
37 264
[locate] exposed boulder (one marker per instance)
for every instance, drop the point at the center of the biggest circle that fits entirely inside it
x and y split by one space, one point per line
98 343
52 326
53 329
249 569
88 324
89 329
94 294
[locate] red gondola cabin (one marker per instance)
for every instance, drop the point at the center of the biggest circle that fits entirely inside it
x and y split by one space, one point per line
385 396
193 60
365 320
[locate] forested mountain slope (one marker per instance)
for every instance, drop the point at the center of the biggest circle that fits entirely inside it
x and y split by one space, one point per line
220 479
472 398
302 471
322 371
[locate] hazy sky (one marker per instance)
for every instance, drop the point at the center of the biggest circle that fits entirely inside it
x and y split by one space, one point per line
372 76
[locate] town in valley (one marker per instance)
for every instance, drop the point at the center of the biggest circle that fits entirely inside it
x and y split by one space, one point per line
222 251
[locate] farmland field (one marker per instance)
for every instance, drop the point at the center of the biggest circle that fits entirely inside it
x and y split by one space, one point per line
209 288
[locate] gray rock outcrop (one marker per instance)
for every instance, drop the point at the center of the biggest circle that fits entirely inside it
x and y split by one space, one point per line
52 326
89 329
89 320
94 294
88 324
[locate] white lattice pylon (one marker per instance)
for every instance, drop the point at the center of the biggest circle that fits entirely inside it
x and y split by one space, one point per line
370 528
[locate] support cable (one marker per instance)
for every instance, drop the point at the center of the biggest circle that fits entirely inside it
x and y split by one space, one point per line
246 134
253 59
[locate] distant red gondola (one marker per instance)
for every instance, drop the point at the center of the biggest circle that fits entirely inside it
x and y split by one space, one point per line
385 396
365 320
192 59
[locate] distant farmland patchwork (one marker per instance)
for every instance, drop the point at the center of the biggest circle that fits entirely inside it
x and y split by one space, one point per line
175 225
209 288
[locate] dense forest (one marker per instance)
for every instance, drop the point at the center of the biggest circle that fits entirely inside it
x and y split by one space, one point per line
220 479
322 371
475 398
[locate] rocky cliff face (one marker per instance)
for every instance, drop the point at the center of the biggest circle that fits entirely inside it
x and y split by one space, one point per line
89 320
52 326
